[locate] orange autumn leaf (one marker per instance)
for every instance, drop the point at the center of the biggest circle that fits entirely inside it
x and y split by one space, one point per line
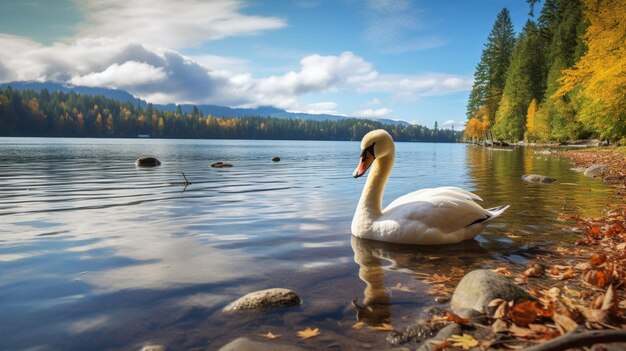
525 312
595 278
308 333
593 231
597 260
383 327
456 319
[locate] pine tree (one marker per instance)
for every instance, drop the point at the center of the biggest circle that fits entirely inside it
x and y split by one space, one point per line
523 84
490 75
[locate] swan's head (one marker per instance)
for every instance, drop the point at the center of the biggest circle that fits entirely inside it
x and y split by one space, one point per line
375 144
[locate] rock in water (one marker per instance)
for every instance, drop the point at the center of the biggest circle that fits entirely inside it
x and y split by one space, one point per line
245 344
478 288
596 171
147 161
537 178
276 297
275 158
221 164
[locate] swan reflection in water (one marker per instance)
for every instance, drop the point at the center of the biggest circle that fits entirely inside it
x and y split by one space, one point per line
375 257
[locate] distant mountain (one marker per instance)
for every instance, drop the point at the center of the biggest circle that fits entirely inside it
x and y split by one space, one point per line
214 110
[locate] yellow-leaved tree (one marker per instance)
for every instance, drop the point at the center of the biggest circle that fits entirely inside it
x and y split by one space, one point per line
598 80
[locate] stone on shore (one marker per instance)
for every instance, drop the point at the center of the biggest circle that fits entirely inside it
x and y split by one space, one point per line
147 161
596 171
478 288
537 178
245 344
276 297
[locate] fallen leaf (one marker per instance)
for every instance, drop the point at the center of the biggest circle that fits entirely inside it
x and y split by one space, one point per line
358 325
499 326
383 327
523 313
521 332
439 278
502 270
535 270
564 322
595 278
465 341
571 292
308 333
269 335
597 260
401 287
456 319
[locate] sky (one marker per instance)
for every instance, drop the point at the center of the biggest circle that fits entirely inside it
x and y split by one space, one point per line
397 59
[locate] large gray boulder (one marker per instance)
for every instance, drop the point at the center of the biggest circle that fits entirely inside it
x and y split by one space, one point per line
276 297
245 344
478 288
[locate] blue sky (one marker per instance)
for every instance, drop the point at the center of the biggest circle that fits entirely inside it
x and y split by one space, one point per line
409 60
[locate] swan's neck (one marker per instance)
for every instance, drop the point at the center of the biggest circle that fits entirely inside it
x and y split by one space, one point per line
372 196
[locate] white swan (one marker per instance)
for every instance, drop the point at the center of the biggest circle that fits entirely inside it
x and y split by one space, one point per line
435 216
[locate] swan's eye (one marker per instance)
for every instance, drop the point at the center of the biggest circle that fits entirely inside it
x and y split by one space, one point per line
368 150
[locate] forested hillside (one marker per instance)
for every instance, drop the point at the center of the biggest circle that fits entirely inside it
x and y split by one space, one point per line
61 114
562 78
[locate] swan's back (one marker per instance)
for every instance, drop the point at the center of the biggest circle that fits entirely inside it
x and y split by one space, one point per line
431 217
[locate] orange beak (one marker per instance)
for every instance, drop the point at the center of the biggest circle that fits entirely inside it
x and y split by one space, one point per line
364 165
367 158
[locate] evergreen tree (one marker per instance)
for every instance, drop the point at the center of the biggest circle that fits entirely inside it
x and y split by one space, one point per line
490 75
523 84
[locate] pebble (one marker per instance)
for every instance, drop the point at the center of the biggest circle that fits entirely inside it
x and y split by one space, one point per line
537 178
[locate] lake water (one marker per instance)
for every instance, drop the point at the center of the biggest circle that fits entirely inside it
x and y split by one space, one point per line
97 254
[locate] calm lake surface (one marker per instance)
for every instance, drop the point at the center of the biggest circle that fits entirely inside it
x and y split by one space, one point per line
97 254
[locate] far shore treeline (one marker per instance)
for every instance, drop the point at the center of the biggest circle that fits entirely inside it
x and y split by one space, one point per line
59 114
562 78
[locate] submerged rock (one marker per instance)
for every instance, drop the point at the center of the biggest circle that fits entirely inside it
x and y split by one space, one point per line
221 164
596 171
245 344
443 334
537 178
147 161
276 297
478 288
276 159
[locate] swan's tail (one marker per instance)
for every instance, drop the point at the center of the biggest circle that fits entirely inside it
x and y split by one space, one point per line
496 211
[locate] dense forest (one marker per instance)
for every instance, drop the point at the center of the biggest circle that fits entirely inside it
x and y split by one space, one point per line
562 78
59 114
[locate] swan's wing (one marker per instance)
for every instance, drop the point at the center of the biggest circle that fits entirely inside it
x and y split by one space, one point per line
426 194
438 213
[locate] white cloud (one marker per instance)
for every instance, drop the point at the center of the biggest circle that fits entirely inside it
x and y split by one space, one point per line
170 24
410 86
452 124
128 74
373 113
327 107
